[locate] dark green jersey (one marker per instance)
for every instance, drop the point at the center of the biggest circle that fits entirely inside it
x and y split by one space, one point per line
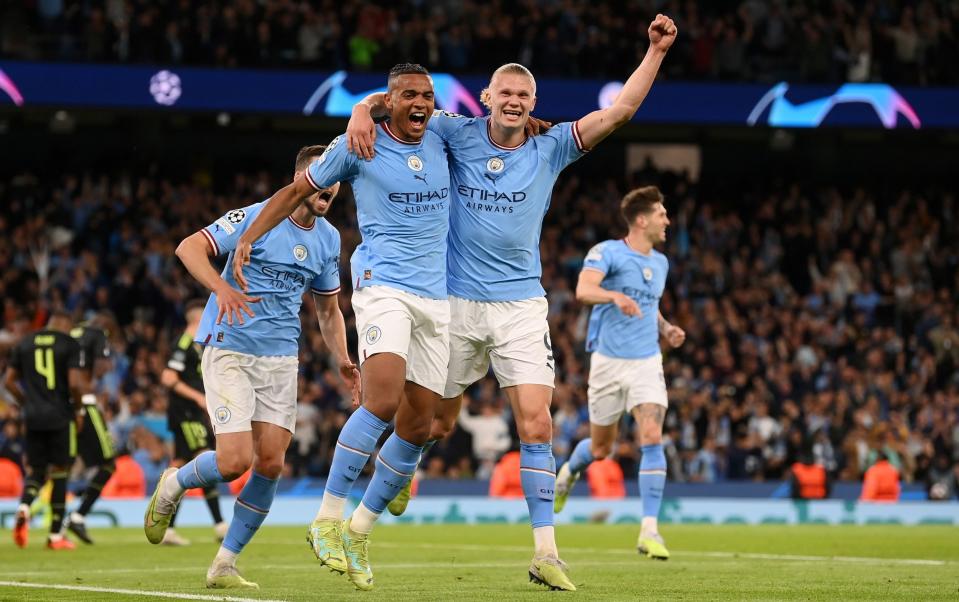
93 345
44 360
185 360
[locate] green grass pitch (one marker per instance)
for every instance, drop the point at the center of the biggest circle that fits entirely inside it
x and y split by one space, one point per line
458 562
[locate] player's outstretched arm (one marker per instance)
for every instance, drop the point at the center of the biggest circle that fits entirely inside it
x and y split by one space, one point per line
280 206
195 252
593 128
333 329
673 334
589 292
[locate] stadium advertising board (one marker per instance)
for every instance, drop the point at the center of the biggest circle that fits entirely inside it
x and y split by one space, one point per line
481 510
25 84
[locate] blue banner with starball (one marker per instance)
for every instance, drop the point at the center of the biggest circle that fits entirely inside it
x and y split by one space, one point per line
787 105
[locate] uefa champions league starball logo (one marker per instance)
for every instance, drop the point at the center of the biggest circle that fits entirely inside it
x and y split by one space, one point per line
165 87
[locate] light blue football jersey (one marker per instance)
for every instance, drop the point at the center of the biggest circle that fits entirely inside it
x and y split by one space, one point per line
642 277
285 262
402 206
500 196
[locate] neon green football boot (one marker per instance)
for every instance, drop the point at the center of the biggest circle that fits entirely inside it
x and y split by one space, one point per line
325 537
565 479
357 551
398 506
551 572
652 546
226 576
156 520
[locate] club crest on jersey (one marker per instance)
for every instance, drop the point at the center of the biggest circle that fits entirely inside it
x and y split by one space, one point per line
373 334
647 274
236 216
414 163
495 165
299 252
222 415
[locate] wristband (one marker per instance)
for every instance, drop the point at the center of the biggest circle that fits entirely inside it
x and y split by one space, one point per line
89 399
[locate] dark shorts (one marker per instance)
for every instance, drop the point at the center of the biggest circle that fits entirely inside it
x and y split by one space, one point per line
191 433
52 448
94 441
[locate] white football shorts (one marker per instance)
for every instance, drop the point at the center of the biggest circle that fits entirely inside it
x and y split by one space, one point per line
242 388
416 328
512 335
617 385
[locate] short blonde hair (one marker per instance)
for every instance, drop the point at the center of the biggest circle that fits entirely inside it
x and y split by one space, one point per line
508 68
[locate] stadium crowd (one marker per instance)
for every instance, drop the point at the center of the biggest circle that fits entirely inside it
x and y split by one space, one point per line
915 42
820 318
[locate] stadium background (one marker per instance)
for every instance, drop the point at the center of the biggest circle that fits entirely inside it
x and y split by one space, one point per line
814 268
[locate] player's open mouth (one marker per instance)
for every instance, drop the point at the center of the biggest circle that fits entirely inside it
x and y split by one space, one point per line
512 114
418 119
324 200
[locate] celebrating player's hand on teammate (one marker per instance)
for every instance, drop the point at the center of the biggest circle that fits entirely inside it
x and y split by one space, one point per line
241 257
662 32
535 127
361 133
627 305
233 303
674 335
351 376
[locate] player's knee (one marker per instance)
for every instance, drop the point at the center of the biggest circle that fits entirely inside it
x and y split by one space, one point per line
440 429
650 434
417 434
538 429
271 467
231 467
601 449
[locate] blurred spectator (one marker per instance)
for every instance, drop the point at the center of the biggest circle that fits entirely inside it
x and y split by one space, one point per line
490 432
786 39
505 480
943 480
605 479
705 467
808 480
12 444
128 481
881 483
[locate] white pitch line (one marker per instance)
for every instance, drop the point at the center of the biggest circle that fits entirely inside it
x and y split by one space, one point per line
131 592
749 555
808 558
312 566
453 564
